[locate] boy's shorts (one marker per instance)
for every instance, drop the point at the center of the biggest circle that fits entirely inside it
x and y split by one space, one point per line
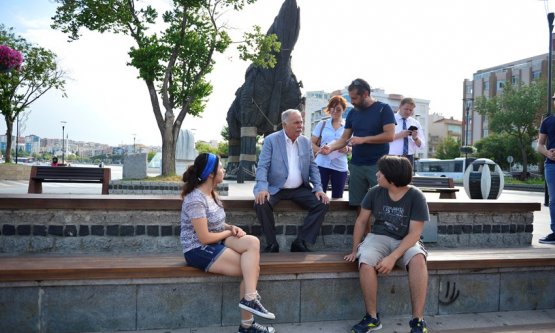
204 256
376 247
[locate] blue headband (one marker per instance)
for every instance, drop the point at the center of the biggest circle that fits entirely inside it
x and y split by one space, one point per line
209 167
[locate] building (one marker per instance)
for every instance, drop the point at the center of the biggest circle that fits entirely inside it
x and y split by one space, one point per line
316 101
489 82
441 128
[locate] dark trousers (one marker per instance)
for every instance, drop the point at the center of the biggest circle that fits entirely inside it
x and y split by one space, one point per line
338 180
307 200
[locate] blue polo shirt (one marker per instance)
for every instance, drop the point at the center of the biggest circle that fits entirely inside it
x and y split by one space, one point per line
547 127
369 122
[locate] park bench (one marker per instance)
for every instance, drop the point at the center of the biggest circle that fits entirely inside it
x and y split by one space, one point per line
442 185
70 267
47 174
76 267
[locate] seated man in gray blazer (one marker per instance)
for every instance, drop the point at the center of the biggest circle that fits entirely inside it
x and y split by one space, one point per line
285 170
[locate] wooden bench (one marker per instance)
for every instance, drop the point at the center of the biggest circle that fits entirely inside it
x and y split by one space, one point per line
442 185
77 267
47 174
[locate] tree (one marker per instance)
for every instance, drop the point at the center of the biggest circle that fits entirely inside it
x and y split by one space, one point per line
517 112
21 87
448 149
498 146
173 62
203 147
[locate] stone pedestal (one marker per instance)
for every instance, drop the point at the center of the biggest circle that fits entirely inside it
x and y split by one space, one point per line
134 166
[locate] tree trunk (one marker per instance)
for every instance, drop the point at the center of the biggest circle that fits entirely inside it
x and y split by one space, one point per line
9 131
168 148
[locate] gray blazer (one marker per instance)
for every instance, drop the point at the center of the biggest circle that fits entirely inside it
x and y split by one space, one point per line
272 169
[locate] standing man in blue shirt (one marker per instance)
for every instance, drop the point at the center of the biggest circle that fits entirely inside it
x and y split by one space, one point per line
369 127
546 147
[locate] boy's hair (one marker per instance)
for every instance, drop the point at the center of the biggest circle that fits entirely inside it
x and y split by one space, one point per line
396 169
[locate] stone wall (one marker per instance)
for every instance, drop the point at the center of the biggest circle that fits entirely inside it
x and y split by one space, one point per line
166 304
149 228
141 187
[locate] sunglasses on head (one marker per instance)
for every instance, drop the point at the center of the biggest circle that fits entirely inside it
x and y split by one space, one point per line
359 83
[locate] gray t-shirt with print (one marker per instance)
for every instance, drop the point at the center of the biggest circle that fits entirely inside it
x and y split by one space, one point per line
197 205
392 218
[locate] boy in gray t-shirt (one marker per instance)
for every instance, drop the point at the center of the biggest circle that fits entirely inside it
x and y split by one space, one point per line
399 211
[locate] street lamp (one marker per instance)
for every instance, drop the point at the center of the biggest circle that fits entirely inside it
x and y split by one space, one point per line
466 138
134 136
63 141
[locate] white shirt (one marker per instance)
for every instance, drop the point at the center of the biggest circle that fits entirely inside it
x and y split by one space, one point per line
294 178
337 161
396 147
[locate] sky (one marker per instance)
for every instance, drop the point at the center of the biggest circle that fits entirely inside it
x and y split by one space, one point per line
418 48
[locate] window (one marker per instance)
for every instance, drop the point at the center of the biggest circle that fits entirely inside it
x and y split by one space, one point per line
514 79
536 75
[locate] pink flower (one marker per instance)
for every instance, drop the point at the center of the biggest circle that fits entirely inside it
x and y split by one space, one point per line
9 58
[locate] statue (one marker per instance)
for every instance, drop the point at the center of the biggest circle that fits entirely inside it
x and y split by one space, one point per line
266 93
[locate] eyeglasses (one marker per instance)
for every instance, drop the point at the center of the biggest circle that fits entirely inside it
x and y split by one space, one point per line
335 109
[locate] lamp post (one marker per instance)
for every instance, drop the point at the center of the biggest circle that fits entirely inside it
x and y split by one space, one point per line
134 137
466 138
16 136
63 141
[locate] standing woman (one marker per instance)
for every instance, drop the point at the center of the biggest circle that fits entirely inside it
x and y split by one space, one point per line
212 245
333 166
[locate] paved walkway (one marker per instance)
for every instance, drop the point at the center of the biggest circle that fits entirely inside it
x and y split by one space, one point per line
538 321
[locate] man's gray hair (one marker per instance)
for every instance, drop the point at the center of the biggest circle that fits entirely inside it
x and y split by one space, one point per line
285 114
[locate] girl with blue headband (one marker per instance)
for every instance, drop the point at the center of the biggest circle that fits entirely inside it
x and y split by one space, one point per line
214 246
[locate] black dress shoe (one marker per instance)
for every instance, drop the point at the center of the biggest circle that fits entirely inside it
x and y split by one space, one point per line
272 248
299 246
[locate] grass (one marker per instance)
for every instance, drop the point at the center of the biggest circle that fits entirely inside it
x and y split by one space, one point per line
533 181
173 178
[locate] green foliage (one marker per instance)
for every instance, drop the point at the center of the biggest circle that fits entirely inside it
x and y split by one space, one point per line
175 60
467 150
150 155
517 112
498 146
223 148
448 149
260 49
20 88
225 133
203 147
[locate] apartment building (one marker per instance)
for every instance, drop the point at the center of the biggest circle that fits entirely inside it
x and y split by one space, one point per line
441 128
489 82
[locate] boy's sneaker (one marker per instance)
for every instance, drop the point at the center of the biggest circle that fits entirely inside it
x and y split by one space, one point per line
367 324
549 239
256 328
418 326
256 308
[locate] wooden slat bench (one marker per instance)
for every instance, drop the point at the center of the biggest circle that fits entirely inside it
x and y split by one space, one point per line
46 174
78 267
442 185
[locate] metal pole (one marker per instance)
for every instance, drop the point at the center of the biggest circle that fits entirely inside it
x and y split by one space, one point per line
16 136
550 17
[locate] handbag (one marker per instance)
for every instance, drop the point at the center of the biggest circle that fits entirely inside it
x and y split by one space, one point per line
319 141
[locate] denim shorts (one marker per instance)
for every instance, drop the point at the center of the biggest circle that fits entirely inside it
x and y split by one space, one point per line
204 256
